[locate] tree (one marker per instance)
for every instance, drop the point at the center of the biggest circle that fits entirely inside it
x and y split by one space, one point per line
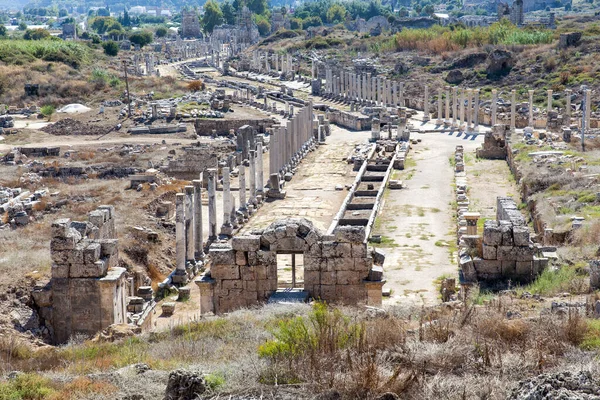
257 6
295 23
212 16
141 38
47 111
263 25
111 48
311 21
428 10
3 30
103 12
22 26
161 32
126 19
336 13
36 34
228 13
105 24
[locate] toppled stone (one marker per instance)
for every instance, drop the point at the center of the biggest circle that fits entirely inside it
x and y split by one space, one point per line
563 385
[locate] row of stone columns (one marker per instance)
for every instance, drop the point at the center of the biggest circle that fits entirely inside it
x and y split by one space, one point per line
289 144
466 117
189 244
264 62
363 88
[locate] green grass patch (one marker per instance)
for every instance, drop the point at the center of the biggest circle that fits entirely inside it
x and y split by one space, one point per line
552 282
23 52
387 241
591 341
27 386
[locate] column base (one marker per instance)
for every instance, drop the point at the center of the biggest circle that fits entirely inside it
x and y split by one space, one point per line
276 194
438 122
180 277
226 230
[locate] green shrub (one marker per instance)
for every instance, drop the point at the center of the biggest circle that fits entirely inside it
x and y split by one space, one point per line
22 52
26 387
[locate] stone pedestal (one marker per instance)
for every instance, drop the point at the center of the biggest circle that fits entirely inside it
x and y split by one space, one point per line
472 218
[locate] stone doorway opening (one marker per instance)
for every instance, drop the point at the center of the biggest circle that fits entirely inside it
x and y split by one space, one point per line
290 270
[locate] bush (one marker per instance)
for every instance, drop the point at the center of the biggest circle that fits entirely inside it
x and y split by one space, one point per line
21 52
296 23
36 34
161 32
264 27
141 38
111 48
195 86
47 111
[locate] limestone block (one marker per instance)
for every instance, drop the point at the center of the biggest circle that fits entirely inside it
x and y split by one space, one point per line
266 257
225 271
472 241
488 269
509 268
109 247
42 295
335 249
95 270
524 253
351 294
489 252
524 268
246 243
261 272
521 235
492 235
65 243
168 308
240 258
293 243
338 264
222 255
60 257
348 278
312 263
311 238
250 285
315 250
359 250
60 271
363 264
248 273
91 254
60 227
267 237
251 297
263 285
304 228
350 234
328 277
539 264
232 284
280 232
506 253
507 237
378 257
327 293
291 230
311 278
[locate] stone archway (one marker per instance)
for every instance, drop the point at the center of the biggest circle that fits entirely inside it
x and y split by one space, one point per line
337 267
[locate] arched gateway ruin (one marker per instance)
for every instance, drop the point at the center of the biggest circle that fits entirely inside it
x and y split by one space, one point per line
337 267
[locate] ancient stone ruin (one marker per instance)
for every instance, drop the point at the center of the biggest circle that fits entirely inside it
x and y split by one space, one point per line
504 252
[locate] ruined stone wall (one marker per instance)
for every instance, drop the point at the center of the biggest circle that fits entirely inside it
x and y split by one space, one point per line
205 126
505 251
87 291
350 121
494 144
337 268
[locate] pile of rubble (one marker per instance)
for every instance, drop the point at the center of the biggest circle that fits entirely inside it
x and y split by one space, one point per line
16 203
69 126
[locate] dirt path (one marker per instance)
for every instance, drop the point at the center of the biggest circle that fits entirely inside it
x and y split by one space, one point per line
416 222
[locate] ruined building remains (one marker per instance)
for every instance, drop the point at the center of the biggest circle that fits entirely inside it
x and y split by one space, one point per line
190 24
87 291
505 252
243 33
514 13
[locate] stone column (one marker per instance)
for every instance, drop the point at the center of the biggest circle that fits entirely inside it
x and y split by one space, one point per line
513 110
469 109
190 251
198 238
259 172
312 69
180 253
212 204
401 94
375 129
368 88
426 104
588 109
380 92
447 115
476 111
567 118
226 228
439 107
494 106
252 177
531 108
462 125
396 95
549 110
454 106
